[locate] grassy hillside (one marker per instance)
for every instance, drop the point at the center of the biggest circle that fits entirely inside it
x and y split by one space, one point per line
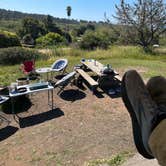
121 58
10 20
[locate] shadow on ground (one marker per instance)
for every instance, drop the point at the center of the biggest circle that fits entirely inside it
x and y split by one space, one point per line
113 92
109 86
72 95
40 118
21 104
7 132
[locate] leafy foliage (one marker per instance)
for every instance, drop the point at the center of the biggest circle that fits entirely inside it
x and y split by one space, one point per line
8 39
32 27
50 26
15 15
69 9
79 31
50 39
16 55
10 25
92 40
148 18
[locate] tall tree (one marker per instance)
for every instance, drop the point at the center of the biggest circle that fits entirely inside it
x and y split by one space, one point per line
68 9
147 17
48 22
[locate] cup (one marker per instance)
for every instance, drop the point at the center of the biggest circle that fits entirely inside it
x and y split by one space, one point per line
42 80
95 62
13 87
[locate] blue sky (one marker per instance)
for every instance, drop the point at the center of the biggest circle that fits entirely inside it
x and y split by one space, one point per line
81 9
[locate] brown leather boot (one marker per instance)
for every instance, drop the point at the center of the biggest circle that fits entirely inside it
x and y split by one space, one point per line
157 89
142 109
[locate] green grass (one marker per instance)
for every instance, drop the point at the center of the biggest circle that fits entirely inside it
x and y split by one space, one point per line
114 161
121 58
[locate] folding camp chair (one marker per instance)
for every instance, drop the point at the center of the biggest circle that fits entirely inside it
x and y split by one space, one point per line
59 65
28 68
62 83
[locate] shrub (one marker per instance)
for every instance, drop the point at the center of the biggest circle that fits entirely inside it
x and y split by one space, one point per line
67 37
92 40
16 55
162 40
50 39
8 39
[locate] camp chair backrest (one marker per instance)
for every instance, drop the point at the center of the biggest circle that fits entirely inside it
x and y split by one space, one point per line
59 65
65 80
28 66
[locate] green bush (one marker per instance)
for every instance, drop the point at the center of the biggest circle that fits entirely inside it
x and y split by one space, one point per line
8 39
92 40
162 40
16 55
50 39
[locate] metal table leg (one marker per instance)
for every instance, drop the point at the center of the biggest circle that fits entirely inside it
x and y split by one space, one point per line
12 102
50 99
13 113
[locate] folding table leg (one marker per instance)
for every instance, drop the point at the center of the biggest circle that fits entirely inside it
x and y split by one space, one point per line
13 113
50 99
12 103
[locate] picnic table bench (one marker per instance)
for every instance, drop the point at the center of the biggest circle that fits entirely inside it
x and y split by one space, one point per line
88 78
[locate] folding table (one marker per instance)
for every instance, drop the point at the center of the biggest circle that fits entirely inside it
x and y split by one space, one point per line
32 88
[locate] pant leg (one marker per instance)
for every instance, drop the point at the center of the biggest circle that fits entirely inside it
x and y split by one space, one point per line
157 142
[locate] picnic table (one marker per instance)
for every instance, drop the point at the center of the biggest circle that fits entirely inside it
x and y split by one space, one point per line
97 68
104 79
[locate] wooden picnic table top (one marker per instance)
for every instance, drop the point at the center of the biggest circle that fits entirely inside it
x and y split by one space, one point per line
94 65
97 67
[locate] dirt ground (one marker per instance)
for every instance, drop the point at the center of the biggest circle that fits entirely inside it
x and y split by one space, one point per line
82 127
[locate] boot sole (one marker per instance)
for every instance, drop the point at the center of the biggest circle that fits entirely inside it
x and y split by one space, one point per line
135 125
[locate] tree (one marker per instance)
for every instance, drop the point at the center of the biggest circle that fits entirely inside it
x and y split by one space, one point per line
91 26
32 27
50 26
147 17
48 23
68 9
92 40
